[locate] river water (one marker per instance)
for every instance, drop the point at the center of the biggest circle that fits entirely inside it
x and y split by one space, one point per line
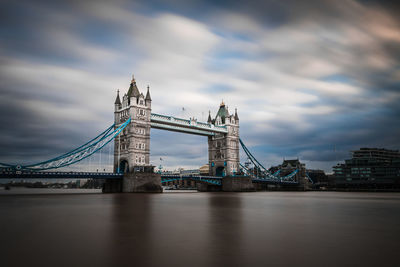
200 229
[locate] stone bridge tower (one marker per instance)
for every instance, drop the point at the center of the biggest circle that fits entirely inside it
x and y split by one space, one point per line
223 149
132 146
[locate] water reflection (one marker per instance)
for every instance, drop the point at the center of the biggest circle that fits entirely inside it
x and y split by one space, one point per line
225 231
131 230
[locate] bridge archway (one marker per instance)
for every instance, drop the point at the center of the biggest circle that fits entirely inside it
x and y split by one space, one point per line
220 171
123 166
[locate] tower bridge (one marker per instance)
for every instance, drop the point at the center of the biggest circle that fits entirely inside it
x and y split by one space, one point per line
133 121
132 147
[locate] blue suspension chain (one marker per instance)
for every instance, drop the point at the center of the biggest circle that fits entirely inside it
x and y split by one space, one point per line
76 155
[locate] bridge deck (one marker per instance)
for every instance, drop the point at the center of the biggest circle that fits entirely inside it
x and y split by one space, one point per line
60 175
110 175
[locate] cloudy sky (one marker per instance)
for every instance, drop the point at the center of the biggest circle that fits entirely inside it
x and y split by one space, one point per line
305 78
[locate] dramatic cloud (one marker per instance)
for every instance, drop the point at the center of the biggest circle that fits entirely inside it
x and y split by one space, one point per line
311 80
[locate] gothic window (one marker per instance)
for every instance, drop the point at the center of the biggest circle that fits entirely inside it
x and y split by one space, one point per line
218 121
141 102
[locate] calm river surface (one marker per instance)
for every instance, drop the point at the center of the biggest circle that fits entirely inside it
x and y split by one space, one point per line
200 229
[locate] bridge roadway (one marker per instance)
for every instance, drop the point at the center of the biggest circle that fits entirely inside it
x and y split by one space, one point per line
98 175
216 180
59 175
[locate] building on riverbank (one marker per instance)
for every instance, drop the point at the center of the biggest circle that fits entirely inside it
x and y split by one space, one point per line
369 168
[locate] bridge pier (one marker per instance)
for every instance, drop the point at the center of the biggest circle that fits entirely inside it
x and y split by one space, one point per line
229 184
237 184
203 187
141 182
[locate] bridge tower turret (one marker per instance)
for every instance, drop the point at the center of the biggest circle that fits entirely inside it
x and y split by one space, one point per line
223 149
117 106
132 146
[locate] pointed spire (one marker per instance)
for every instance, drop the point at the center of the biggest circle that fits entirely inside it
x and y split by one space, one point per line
117 100
133 90
222 112
209 117
148 98
236 115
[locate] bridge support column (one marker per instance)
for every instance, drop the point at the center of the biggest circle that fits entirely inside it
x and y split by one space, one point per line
141 182
237 184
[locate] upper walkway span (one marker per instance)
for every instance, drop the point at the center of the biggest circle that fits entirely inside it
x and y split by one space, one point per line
191 126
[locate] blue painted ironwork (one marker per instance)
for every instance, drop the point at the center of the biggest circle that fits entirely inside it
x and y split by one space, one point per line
277 173
215 180
309 178
256 163
77 154
58 175
262 174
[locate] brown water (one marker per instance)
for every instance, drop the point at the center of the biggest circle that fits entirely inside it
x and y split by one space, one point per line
201 229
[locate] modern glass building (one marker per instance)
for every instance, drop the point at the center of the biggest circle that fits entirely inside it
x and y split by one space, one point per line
369 168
